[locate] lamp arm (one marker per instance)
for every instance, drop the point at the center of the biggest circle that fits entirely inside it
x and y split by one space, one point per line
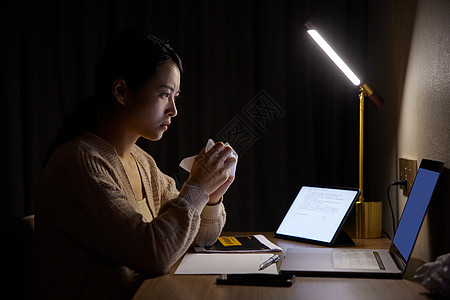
373 96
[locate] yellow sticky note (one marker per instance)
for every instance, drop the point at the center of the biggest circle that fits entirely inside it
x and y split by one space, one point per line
229 241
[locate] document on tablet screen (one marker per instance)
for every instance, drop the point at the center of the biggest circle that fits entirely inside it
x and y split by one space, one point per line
317 213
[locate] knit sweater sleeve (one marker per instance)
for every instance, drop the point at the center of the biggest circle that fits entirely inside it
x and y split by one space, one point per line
88 204
212 218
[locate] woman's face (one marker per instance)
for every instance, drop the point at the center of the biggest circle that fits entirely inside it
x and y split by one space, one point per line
153 104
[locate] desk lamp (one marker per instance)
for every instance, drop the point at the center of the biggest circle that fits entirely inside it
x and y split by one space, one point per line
368 213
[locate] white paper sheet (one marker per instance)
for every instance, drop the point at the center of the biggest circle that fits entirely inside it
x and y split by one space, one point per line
224 263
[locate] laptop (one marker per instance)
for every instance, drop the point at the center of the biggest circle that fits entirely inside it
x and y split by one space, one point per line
318 214
389 263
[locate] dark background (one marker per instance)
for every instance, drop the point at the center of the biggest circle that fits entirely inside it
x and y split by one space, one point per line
240 57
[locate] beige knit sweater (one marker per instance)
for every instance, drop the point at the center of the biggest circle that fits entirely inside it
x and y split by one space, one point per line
90 238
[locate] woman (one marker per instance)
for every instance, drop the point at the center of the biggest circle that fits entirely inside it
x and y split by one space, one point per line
105 215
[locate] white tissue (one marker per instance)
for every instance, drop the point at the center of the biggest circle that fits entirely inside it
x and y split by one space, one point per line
188 161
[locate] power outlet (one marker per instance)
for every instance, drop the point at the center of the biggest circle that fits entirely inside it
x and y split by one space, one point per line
408 170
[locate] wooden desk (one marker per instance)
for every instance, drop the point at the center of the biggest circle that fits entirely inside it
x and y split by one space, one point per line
196 287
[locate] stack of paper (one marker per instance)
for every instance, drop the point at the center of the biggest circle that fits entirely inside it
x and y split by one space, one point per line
251 243
224 263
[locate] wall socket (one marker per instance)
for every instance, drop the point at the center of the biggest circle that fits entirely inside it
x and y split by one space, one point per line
408 170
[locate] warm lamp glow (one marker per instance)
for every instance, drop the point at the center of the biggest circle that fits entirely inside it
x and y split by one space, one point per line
368 213
337 60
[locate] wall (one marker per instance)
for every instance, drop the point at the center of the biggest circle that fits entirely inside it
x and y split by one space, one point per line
409 62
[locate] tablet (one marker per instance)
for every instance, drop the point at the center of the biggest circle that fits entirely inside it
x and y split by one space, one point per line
318 214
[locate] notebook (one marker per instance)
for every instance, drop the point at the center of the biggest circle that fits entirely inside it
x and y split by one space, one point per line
390 262
318 214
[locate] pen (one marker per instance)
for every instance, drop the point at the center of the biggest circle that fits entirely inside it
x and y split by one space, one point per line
268 262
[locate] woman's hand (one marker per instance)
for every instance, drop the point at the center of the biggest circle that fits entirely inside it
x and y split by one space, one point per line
216 196
212 171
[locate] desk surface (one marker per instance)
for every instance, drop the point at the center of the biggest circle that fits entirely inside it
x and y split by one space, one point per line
172 286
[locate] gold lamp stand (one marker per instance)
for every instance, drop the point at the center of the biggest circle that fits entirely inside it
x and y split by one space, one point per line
368 214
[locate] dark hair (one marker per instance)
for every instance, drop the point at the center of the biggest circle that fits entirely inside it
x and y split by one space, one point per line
134 55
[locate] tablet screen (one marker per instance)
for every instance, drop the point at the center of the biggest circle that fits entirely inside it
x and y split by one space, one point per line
317 213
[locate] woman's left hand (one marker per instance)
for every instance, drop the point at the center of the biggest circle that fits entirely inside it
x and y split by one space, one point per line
217 195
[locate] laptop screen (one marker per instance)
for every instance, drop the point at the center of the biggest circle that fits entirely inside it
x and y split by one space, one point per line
317 213
416 207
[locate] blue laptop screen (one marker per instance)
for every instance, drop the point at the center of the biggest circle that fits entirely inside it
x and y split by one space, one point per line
414 211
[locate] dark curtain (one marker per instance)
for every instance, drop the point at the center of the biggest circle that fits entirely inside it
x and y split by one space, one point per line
252 78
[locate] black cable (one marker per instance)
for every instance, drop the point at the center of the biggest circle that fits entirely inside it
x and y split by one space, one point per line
400 182
392 210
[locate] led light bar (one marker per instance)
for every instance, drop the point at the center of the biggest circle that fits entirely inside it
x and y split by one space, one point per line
336 59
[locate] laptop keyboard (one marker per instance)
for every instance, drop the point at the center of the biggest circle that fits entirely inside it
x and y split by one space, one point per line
357 259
